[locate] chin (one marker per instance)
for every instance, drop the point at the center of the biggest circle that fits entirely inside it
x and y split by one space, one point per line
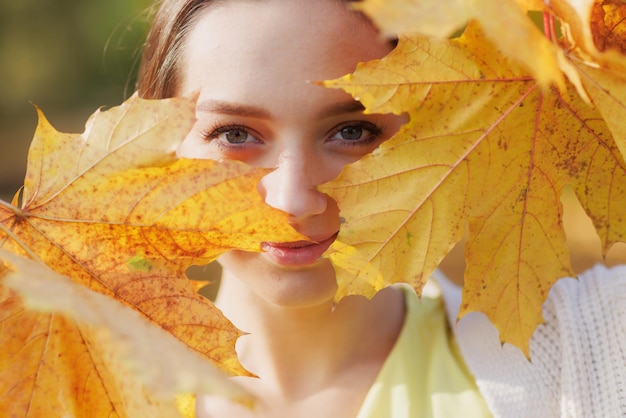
303 288
282 286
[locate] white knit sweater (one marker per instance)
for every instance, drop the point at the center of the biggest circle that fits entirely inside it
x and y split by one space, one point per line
578 357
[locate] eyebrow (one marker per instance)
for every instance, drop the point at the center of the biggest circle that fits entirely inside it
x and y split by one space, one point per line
237 109
341 108
234 109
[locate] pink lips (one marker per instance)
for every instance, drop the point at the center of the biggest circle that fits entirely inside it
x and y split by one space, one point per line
298 253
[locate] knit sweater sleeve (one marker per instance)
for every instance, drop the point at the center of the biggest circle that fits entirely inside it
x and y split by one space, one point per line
578 356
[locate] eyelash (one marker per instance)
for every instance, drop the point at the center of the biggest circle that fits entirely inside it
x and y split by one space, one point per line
210 135
374 130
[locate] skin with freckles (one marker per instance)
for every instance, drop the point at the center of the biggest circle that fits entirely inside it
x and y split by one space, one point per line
254 64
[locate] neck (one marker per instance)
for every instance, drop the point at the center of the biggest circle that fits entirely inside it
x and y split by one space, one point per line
278 337
285 343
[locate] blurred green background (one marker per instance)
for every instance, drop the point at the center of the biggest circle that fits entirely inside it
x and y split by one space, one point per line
68 57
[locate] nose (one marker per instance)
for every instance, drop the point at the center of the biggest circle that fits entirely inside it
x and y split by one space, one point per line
292 186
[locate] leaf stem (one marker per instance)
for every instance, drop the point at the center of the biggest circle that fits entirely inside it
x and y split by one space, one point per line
11 208
548 26
10 234
17 240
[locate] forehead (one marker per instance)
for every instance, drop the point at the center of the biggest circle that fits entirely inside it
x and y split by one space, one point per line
291 41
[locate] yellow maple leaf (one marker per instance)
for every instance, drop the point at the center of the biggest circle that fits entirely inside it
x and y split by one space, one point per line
503 21
117 212
117 345
486 146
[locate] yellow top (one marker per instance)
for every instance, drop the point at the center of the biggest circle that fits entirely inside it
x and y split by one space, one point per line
424 375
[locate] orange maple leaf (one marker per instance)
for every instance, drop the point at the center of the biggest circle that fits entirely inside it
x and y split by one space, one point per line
118 345
116 211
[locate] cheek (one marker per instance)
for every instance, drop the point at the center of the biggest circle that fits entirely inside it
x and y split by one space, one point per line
195 147
186 148
395 122
331 168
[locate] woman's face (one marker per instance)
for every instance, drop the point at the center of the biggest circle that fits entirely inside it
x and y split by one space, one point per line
253 63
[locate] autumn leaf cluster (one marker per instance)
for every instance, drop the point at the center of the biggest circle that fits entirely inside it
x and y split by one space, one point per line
502 118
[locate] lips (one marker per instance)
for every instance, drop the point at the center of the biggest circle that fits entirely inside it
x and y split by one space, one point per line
298 253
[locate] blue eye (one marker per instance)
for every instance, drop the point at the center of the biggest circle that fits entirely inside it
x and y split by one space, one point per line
356 133
351 133
229 135
236 136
